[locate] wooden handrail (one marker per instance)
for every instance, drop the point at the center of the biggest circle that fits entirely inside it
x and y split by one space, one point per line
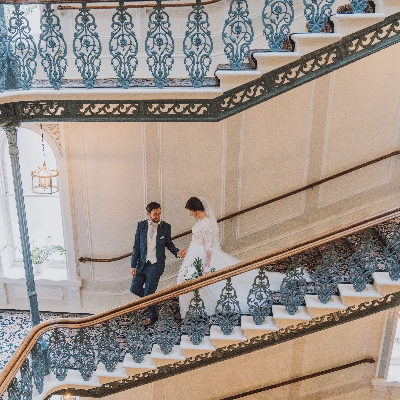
140 5
301 378
26 346
264 203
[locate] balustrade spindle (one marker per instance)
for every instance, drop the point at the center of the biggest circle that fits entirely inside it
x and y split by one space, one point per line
293 288
52 47
59 354
83 353
197 45
87 47
196 322
317 13
159 45
4 45
39 365
237 34
123 46
260 298
166 329
327 275
26 381
358 6
277 16
138 339
392 255
228 308
22 49
109 351
363 262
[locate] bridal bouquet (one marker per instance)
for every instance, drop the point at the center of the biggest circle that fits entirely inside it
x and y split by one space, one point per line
195 270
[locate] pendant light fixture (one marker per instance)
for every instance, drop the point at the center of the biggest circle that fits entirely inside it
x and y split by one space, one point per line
44 180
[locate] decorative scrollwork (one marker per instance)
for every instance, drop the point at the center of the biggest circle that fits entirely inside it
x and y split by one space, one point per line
166 329
260 298
108 348
52 47
196 321
83 353
317 12
159 45
277 16
23 49
358 6
197 45
363 262
293 288
327 275
3 53
392 255
138 339
87 46
26 381
58 353
237 34
123 46
39 366
14 390
228 308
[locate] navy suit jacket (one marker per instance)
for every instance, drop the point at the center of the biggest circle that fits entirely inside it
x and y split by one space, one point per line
163 240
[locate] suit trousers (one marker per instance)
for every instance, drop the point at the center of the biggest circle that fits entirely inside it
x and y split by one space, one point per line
149 278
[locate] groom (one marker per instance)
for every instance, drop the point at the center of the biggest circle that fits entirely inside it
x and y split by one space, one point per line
148 256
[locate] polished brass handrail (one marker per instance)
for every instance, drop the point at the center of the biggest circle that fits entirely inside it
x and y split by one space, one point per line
26 346
264 203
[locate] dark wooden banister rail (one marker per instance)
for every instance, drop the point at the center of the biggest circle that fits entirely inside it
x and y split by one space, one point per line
301 378
248 209
34 335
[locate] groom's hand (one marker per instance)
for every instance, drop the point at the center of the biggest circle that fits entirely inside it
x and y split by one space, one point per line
133 272
182 253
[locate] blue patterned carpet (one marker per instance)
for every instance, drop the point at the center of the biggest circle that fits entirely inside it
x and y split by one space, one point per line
15 325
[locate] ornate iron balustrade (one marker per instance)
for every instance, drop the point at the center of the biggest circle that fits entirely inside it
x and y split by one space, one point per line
309 67
81 344
237 35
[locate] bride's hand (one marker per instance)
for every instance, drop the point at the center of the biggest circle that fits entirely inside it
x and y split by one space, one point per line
206 270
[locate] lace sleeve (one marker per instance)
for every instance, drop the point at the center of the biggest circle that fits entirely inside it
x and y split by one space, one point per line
207 232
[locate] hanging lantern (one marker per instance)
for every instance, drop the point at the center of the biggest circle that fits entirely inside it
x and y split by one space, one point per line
44 180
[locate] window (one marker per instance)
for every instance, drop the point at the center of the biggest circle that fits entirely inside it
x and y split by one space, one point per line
43 211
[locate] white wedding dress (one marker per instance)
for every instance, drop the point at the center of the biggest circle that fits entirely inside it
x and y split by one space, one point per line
205 236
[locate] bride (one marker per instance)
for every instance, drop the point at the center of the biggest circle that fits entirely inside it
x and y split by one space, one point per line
205 246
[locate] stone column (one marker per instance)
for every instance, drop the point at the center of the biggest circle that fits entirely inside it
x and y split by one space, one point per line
11 132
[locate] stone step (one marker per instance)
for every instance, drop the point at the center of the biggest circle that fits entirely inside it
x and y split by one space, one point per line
161 359
347 24
307 42
106 377
350 297
250 329
133 368
283 319
229 79
268 61
383 284
191 350
316 308
218 339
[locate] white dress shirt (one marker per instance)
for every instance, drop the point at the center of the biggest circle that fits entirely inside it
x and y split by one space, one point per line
151 243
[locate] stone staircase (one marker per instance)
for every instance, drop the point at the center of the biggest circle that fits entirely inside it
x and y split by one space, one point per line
280 319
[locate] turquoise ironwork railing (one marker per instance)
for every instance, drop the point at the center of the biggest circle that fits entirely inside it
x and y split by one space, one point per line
19 50
74 345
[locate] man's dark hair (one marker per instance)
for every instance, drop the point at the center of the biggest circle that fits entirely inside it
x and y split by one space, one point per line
152 206
194 204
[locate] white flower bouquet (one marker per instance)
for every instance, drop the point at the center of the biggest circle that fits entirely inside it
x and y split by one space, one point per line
195 270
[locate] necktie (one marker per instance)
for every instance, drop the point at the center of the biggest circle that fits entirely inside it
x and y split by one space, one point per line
151 231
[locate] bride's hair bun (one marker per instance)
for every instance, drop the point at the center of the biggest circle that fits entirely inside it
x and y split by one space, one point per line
194 204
